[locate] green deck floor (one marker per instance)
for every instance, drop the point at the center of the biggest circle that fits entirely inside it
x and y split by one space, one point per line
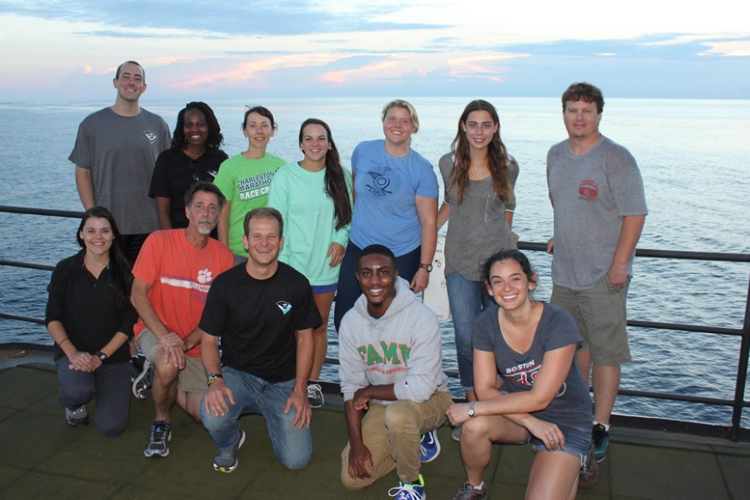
42 457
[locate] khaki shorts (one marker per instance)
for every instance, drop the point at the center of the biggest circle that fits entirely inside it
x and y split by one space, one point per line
601 315
192 378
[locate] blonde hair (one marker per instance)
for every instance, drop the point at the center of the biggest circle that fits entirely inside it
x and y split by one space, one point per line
400 103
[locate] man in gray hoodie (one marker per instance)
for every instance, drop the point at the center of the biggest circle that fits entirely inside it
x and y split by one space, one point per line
391 367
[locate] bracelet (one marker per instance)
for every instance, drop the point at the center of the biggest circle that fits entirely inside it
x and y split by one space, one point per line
59 344
213 378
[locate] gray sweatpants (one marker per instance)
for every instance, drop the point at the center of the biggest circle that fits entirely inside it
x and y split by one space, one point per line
110 384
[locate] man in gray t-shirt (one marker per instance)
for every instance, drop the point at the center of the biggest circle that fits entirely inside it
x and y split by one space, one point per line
599 205
115 153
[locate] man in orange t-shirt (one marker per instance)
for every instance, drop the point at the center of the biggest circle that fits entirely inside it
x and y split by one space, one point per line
173 274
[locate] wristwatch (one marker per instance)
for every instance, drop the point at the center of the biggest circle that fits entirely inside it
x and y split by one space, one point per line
426 267
471 411
101 356
212 378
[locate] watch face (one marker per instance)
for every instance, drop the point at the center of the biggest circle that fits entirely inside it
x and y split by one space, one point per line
429 268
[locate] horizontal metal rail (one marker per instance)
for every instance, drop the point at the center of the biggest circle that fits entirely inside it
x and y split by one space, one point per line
737 404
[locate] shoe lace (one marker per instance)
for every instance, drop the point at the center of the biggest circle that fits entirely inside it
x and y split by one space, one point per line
158 431
404 492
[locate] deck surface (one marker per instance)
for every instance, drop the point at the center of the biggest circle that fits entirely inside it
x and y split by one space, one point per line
42 457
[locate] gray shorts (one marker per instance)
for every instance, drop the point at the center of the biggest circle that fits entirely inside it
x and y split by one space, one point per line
192 378
601 315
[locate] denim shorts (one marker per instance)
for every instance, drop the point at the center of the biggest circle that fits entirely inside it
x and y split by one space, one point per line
577 441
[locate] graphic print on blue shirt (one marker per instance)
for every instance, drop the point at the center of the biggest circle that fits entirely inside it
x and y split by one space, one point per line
525 374
382 181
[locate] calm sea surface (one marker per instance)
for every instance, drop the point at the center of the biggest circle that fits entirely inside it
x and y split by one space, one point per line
694 156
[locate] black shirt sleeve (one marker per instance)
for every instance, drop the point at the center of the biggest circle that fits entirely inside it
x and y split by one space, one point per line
160 178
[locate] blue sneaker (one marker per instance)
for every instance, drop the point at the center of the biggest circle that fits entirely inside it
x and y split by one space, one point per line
600 438
429 448
158 443
409 491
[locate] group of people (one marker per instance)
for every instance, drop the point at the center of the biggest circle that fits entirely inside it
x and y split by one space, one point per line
236 263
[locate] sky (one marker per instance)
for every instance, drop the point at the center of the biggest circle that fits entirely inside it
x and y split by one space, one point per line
197 49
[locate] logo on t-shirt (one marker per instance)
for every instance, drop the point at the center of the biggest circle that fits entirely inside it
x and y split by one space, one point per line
284 306
588 191
526 373
204 276
254 186
151 136
380 182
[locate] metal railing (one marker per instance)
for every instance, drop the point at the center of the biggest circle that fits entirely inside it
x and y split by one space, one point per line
737 403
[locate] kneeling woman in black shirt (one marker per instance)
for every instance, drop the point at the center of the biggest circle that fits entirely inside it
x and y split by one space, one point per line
90 318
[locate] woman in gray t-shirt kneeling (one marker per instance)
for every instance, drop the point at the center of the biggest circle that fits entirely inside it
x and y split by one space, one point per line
543 399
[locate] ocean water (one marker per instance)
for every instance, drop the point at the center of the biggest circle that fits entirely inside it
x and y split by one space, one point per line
694 157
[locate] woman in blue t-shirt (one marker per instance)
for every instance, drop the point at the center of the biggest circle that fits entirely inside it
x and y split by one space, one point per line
543 399
395 205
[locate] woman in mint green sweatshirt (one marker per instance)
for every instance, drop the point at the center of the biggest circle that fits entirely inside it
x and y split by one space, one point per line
315 198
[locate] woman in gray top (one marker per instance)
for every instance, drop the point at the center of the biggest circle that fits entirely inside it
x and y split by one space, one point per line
479 176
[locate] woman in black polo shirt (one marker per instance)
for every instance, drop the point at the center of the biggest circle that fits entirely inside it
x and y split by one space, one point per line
195 155
90 318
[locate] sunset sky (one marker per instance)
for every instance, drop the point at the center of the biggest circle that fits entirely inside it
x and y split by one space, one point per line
54 50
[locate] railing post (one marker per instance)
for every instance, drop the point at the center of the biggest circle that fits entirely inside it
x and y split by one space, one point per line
739 389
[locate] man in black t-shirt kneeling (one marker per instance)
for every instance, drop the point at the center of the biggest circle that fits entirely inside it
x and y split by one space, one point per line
264 313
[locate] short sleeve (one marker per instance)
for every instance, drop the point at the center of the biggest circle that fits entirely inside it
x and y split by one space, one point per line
160 177
355 158
147 264
512 178
560 329
305 312
428 184
215 312
484 330
445 165
224 181
625 181
81 154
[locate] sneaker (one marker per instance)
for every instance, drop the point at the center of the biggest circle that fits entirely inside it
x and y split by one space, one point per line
409 491
429 448
456 434
77 417
589 473
315 395
600 438
226 461
158 444
142 382
136 366
469 492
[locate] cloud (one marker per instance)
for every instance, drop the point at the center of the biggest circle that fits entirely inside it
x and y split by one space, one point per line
197 17
254 70
734 48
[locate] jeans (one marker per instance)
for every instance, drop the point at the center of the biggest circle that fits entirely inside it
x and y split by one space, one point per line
348 289
467 300
110 383
292 446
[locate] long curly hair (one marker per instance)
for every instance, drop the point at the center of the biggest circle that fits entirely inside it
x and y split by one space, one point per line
496 152
215 137
335 180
